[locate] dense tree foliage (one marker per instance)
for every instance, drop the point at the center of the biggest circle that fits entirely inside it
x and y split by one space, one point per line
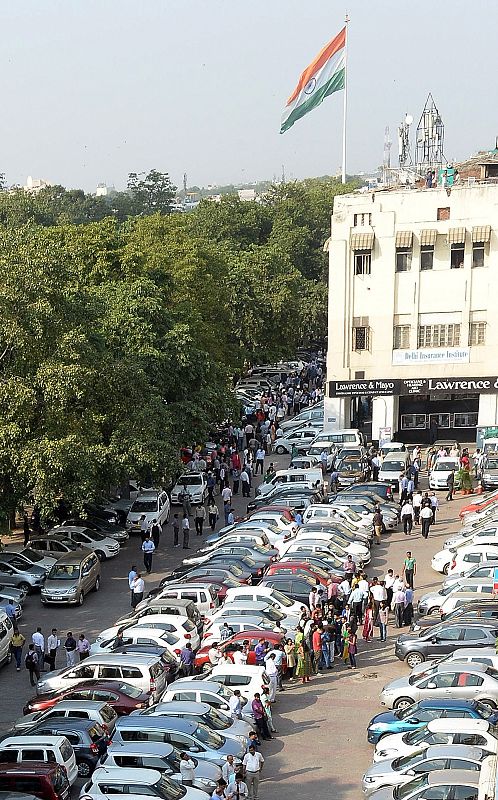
121 329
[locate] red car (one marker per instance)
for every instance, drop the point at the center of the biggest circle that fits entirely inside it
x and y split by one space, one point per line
284 510
121 696
301 568
479 505
228 646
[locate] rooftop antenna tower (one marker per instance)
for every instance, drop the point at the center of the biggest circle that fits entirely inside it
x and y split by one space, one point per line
185 182
386 164
405 154
430 139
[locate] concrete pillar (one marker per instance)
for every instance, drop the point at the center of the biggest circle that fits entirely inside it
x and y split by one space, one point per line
337 413
488 410
385 411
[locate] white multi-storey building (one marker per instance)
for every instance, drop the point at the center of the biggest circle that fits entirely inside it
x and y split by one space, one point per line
413 281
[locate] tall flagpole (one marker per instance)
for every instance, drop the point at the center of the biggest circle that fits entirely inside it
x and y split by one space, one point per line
345 103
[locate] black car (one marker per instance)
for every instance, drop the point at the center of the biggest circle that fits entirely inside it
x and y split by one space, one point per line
297 587
255 568
87 738
470 612
382 489
444 638
229 571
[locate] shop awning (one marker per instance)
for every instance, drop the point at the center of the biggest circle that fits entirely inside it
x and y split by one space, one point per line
362 241
456 236
404 238
481 233
428 237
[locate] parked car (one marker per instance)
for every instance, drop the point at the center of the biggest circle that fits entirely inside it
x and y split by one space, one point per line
465 656
178 627
88 739
137 635
194 484
420 714
263 608
53 543
249 679
296 587
469 681
438 640
214 693
441 470
96 711
299 439
263 594
17 573
121 696
239 624
30 780
213 718
137 784
380 488
29 557
448 561
103 546
443 784
39 749
170 606
432 602
463 731
153 504
72 577
401 770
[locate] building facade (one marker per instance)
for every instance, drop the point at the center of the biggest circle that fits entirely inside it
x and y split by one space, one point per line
413 281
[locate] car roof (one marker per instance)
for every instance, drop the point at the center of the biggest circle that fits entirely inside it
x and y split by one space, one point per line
32 739
73 557
183 707
205 686
141 721
455 724
29 768
446 703
453 751
463 665
453 777
88 705
121 658
66 722
140 748
124 774
241 669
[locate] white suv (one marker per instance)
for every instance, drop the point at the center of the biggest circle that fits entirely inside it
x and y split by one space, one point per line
153 504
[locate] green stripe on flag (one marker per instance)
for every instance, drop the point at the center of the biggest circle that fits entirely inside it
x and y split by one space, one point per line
335 84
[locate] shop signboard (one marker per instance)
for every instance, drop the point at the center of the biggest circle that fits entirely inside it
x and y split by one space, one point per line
378 387
437 355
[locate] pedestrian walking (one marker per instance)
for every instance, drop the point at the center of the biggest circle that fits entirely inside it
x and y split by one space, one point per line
26 530
252 764
155 532
148 548
450 483
32 664
38 640
260 717
246 483
399 607
131 579
186 531
271 671
417 504
53 644
260 460
409 568
403 487
199 517
426 520
138 590
17 643
176 530
83 647
407 517
352 648
213 514
378 523
70 648
434 506
144 527
187 657
383 621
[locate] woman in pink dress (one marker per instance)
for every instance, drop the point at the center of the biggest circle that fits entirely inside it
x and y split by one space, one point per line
368 628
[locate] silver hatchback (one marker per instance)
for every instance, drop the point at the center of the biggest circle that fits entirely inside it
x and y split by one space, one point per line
452 680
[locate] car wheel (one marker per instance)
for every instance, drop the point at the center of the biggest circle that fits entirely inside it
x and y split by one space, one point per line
446 569
84 769
280 450
402 703
491 704
100 555
81 599
414 659
25 587
97 584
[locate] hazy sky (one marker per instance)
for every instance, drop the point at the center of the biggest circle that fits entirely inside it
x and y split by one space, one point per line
94 89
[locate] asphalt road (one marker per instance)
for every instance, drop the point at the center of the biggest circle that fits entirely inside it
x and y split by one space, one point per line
321 746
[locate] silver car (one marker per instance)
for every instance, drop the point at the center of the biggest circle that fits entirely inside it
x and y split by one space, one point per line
15 572
485 569
440 783
401 770
103 546
216 720
455 680
30 557
465 655
431 602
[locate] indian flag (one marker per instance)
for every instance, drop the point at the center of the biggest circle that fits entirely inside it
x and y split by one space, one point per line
325 75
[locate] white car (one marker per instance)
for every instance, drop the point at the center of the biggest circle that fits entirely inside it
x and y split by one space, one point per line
471 655
355 548
246 677
172 623
299 439
258 527
465 557
103 546
237 624
275 519
153 504
256 608
455 730
485 535
137 784
440 472
194 484
309 546
275 598
139 635
199 690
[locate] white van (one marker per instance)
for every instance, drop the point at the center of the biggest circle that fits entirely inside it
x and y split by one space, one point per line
47 749
393 467
153 504
350 437
283 476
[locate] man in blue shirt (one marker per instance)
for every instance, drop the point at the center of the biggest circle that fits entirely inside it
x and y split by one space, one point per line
187 657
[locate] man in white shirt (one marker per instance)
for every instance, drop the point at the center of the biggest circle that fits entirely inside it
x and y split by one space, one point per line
239 656
228 769
364 586
272 672
38 640
235 703
398 584
237 789
187 769
378 592
53 643
417 503
260 460
344 590
388 583
214 654
138 590
426 517
226 494
246 483
252 764
407 517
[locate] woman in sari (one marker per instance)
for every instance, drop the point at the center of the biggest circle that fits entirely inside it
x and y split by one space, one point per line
290 653
303 669
368 628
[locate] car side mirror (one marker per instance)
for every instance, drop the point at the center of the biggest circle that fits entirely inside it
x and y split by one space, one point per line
195 749
434 640
431 685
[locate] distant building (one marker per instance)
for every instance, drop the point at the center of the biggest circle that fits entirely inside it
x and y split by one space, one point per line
103 190
247 194
35 185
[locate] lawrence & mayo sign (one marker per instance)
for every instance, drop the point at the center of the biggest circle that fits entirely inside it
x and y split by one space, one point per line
378 387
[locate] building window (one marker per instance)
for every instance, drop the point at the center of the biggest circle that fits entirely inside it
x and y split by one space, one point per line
412 421
477 333
457 255
478 254
467 420
360 220
362 262
361 337
442 420
443 213
439 335
401 339
403 259
426 256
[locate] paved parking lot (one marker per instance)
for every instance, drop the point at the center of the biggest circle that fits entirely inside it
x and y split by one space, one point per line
321 745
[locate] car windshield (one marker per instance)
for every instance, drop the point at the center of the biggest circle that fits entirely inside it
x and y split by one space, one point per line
18 563
64 572
94 535
351 466
407 761
189 480
129 691
416 737
32 555
393 466
492 672
408 789
144 506
446 466
404 713
281 598
166 788
216 720
492 463
209 737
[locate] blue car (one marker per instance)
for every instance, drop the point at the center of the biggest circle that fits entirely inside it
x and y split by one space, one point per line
419 714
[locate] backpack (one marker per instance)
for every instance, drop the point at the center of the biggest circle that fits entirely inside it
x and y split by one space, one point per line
29 661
